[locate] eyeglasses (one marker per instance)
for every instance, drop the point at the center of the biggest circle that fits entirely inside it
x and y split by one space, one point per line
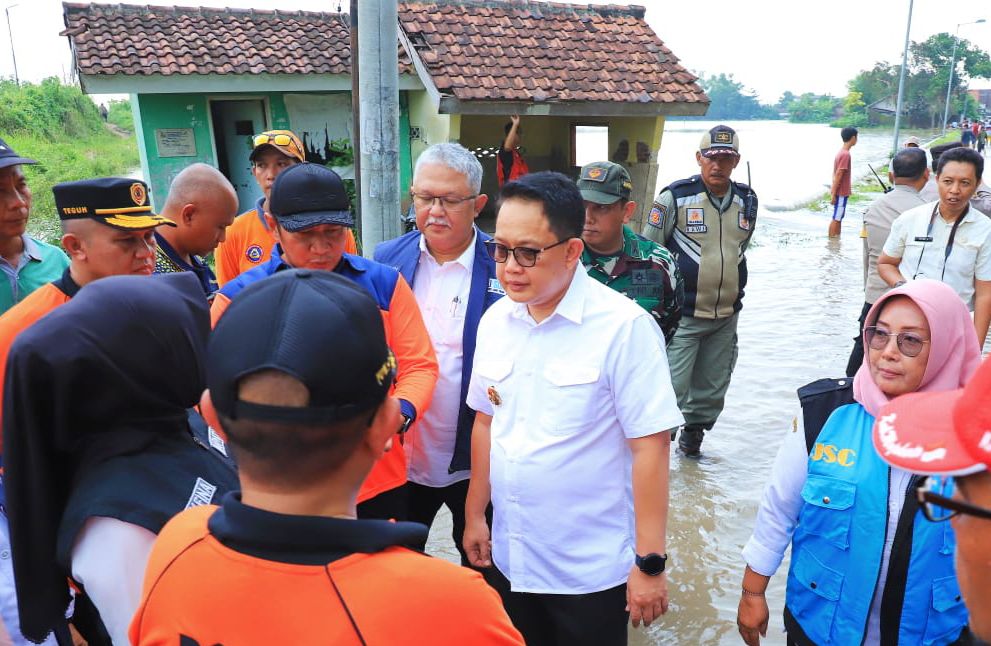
446 202
909 343
934 495
525 256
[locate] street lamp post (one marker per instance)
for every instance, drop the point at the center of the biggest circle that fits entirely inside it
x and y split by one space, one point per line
10 32
953 65
901 81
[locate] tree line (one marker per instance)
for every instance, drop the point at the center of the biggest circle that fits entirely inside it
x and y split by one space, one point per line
926 78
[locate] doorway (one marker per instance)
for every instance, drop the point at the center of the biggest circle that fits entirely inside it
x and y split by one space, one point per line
234 124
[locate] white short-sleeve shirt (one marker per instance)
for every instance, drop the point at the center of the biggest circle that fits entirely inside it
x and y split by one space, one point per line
565 395
922 257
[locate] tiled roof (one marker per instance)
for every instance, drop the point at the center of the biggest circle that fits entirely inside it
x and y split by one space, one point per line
521 50
146 39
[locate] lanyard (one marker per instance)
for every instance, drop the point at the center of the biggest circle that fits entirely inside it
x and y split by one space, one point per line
929 238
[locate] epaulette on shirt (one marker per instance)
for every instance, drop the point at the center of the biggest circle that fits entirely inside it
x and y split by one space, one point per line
819 399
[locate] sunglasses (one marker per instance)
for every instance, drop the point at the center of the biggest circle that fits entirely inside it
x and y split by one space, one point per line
937 504
525 256
909 344
278 140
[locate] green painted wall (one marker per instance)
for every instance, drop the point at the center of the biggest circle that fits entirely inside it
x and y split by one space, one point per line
405 152
160 111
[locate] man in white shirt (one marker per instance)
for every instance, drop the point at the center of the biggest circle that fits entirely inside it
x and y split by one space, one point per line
571 443
454 282
948 241
908 175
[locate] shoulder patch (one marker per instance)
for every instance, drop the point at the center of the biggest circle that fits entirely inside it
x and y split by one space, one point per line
254 253
656 216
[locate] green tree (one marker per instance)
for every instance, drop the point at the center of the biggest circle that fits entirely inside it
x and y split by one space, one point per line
930 60
730 100
812 108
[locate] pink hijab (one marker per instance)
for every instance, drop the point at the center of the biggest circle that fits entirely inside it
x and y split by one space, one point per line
953 354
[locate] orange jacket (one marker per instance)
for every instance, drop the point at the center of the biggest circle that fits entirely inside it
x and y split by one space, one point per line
23 315
405 333
518 168
197 590
249 244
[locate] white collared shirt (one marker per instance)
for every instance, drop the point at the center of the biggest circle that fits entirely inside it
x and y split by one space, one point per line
969 259
565 395
442 293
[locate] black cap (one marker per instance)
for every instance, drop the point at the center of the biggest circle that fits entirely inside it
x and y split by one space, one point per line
118 202
9 158
316 326
306 195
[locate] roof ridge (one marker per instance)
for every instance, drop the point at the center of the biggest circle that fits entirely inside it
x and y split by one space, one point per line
180 9
541 6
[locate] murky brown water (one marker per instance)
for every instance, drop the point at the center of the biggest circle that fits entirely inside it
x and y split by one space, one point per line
799 316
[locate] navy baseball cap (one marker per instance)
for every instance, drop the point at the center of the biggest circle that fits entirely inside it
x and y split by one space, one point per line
9 158
118 202
307 195
316 326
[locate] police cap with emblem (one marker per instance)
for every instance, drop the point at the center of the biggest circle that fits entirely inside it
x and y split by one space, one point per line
604 183
316 326
721 140
118 202
9 158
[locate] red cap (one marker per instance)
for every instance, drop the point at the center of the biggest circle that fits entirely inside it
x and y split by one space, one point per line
940 433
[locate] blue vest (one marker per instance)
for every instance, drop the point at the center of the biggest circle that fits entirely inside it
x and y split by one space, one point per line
403 253
839 541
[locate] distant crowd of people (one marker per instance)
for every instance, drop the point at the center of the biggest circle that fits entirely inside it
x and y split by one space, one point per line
252 453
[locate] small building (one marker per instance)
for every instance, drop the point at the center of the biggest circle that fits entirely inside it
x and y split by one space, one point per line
202 81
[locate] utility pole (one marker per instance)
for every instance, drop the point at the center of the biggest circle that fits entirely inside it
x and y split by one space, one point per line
953 65
10 32
377 68
901 81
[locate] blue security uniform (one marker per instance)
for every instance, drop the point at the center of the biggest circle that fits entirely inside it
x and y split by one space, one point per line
838 545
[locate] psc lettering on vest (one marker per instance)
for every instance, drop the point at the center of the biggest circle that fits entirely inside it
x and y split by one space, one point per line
695 220
829 454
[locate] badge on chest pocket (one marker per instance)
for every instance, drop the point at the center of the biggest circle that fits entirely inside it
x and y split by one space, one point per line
695 220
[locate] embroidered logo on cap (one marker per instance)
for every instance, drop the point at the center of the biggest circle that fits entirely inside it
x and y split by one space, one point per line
594 174
138 193
722 138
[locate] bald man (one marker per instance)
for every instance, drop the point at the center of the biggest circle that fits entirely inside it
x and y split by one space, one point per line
202 203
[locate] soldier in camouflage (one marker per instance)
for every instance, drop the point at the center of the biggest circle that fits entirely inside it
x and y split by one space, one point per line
615 256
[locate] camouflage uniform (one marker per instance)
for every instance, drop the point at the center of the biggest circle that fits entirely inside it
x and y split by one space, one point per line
646 272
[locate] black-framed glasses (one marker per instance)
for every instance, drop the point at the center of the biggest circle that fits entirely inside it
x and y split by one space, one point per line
909 343
447 202
525 256
935 495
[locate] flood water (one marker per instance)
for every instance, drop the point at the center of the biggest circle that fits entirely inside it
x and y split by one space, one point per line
798 319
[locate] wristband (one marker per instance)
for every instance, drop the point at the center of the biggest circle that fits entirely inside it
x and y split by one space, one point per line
751 593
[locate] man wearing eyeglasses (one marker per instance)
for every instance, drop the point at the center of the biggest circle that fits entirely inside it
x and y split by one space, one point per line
249 240
947 435
569 446
949 240
707 221
310 216
454 281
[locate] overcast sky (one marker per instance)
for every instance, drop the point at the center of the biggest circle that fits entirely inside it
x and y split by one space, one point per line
768 45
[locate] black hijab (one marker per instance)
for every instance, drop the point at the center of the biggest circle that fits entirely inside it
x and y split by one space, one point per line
104 376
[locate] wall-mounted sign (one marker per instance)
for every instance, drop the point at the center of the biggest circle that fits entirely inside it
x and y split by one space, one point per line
175 142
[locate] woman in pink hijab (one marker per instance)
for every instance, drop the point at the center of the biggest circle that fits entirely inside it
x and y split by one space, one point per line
866 566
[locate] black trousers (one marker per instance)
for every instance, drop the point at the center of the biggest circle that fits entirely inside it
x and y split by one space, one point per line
425 502
388 505
594 619
857 354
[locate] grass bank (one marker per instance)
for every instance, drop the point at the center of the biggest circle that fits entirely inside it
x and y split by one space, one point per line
62 129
